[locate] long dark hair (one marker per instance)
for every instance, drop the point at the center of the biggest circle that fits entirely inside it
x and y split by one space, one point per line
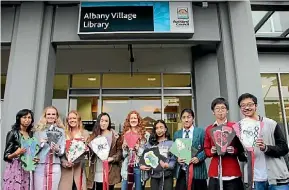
97 129
189 111
153 140
20 114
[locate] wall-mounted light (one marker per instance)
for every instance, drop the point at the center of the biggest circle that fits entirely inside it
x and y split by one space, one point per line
91 78
151 79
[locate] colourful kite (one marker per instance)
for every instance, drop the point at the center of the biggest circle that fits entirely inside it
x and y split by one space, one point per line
32 149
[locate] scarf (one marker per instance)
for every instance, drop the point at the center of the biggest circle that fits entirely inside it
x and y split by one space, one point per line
130 177
190 176
250 169
105 185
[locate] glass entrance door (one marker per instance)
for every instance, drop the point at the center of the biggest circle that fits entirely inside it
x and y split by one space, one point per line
154 95
119 107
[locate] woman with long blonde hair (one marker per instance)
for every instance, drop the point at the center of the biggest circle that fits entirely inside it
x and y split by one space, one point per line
50 132
73 173
130 170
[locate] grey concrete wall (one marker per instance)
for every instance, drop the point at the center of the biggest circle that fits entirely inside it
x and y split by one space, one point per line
7 23
28 83
46 66
207 88
274 62
205 23
245 51
226 68
239 67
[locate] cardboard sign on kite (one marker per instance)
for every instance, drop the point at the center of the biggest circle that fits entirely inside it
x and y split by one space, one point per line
151 157
222 136
248 131
53 134
32 148
74 149
131 139
100 147
182 148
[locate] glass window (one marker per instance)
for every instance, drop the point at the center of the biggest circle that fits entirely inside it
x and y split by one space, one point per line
118 108
276 22
271 97
5 54
59 100
283 19
3 83
60 86
177 80
285 92
87 107
173 106
135 81
257 16
86 81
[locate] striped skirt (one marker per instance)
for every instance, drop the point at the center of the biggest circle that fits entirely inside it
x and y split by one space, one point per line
47 176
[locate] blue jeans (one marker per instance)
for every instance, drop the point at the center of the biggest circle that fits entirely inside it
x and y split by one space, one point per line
137 180
265 186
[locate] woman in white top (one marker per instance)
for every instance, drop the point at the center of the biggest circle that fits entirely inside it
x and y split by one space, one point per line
95 177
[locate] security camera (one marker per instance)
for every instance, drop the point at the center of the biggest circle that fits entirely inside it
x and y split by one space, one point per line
205 4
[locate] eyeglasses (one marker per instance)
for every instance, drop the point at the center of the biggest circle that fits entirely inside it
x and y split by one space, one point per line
251 104
220 109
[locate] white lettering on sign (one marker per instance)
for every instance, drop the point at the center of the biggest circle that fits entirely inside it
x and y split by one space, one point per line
89 17
89 24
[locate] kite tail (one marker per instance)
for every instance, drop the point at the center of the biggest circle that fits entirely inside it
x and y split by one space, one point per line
130 177
190 176
105 185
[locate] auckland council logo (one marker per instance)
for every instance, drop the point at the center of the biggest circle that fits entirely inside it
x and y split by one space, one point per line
183 13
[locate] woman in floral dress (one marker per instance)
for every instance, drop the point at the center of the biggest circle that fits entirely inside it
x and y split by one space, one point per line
15 177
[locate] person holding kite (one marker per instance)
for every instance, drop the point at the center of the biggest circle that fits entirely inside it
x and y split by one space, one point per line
134 139
106 154
50 133
223 146
191 172
266 144
15 177
162 176
73 163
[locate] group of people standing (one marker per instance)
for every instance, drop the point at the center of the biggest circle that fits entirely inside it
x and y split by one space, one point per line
53 171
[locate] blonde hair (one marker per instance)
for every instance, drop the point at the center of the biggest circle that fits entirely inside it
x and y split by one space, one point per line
42 124
68 128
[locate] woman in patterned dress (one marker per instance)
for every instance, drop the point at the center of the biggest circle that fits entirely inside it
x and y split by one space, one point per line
15 177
